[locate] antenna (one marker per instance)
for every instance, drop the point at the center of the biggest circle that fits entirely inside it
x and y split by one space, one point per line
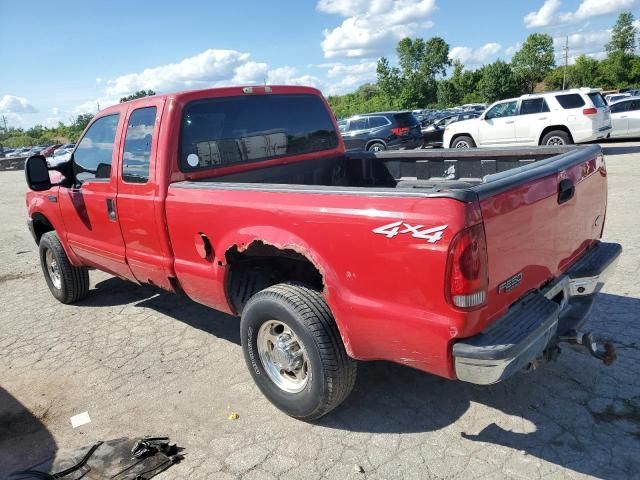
566 62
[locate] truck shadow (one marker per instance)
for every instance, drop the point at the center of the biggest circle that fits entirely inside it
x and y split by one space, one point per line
575 412
25 441
115 292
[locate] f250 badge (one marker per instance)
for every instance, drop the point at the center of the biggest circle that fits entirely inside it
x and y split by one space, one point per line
431 235
510 283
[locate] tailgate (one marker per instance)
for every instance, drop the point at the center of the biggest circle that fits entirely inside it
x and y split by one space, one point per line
538 219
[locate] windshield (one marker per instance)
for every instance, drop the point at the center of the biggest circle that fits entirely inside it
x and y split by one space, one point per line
222 131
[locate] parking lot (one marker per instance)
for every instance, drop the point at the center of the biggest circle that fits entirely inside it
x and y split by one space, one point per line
147 363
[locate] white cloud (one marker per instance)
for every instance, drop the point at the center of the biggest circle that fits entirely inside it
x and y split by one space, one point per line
549 13
510 51
251 72
289 76
591 44
345 78
474 56
372 28
13 104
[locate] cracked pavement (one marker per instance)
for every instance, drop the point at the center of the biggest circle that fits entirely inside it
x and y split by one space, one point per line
147 363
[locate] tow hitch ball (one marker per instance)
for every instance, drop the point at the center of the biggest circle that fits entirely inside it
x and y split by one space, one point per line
602 351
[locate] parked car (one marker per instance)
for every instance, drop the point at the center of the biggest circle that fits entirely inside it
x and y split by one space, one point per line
48 151
21 152
625 117
433 133
550 118
66 146
380 131
244 199
614 97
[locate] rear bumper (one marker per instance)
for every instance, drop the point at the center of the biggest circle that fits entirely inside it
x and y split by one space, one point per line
532 325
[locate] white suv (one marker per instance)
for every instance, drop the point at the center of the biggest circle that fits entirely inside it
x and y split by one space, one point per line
549 118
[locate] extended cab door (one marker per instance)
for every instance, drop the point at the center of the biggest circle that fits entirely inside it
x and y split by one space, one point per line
89 207
533 117
497 126
140 212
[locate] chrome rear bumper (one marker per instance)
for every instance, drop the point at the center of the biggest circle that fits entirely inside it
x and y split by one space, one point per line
523 334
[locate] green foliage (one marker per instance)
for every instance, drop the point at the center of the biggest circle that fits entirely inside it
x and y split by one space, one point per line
138 94
498 82
623 36
533 61
39 135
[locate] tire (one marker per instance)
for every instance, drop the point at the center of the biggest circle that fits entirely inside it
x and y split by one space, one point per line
66 282
321 377
556 138
463 142
376 147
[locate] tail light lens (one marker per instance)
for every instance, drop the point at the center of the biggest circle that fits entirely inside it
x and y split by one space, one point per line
401 132
467 269
590 111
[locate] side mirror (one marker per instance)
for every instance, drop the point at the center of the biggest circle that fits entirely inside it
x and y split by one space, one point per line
37 173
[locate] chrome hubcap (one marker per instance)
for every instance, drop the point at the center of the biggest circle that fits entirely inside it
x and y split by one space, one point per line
555 141
53 270
462 144
283 356
376 148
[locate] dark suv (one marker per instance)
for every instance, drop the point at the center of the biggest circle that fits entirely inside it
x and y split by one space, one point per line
382 131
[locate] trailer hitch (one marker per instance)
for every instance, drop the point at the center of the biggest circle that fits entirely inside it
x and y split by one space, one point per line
604 351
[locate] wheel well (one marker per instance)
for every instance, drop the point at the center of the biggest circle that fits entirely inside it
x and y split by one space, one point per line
41 225
458 135
260 266
562 128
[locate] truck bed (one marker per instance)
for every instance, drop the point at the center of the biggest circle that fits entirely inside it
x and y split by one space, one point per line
421 172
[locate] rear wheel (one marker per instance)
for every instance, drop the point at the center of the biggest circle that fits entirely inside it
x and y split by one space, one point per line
66 282
556 138
376 147
294 352
463 142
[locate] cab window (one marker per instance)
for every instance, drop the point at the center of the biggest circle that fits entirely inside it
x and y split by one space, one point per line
506 109
533 105
620 107
92 158
137 145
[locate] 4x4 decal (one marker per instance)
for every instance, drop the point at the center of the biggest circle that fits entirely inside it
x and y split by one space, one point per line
431 235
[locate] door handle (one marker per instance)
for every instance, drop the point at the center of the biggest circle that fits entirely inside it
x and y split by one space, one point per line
542 118
566 190
111 209
509 122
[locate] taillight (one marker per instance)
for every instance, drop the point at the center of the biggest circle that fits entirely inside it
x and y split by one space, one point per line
467 269
401 132
590 111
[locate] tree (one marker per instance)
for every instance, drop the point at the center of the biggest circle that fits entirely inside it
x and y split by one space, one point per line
533 61
413 83
623 36
138 94
498 82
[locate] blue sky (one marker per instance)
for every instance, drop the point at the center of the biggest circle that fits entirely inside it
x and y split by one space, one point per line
59 59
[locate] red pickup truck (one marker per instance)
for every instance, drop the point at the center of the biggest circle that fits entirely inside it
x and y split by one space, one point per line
466 264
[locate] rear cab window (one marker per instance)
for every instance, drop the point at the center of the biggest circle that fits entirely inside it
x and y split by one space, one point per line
533 105
570 100
231 130
137 145
597 99
406 119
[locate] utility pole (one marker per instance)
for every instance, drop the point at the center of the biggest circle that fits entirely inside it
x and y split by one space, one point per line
566 62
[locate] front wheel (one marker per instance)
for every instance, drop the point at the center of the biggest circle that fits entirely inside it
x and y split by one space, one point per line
557 138
66 282
294 352
463 142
